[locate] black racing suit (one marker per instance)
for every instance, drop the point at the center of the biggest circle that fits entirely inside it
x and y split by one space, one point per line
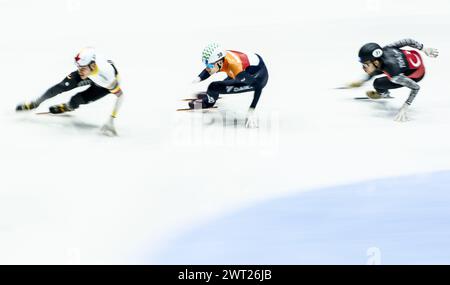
402 68
72 81
253 78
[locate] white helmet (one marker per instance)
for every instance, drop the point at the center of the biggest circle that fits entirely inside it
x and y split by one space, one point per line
212 53
85 57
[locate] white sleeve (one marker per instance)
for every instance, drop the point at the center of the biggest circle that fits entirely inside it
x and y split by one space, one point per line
105 76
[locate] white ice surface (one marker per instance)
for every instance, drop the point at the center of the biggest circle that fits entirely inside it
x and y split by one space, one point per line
70 195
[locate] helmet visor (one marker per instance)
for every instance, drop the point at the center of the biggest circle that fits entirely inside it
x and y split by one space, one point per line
79 65
209 65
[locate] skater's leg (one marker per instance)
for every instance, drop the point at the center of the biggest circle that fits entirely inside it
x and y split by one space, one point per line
216 88
253 79
72 81
91 94
232 86
382 85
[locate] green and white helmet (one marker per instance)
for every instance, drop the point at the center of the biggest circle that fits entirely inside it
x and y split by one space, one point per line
212 53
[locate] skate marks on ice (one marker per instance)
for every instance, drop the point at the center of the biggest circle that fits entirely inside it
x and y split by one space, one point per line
224 129
386 109
196 110
367 98
229 112
383 108
215 116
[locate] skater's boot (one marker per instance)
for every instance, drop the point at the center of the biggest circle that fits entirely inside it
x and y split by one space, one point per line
26 106
200 104
203 103
377 95
59 109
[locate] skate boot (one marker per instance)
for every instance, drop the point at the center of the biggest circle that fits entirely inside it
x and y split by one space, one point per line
376 95
26 106
59 109
200 104
205 102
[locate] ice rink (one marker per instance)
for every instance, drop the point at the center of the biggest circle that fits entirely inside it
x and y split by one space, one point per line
69 195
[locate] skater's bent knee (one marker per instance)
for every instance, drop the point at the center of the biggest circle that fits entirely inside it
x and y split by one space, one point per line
76 101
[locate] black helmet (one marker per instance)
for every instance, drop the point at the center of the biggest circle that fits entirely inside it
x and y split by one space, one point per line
370 51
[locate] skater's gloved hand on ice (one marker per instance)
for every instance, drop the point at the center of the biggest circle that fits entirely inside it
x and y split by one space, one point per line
108 128
196 80
431 52
402 116
252 120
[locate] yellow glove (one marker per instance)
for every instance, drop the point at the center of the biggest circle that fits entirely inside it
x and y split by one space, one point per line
373 95
356 84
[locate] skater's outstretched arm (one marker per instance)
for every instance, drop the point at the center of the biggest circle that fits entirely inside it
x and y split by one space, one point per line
411 84
109 128
256 96
359 83
202 76
118 104
251 120
406 43
431 52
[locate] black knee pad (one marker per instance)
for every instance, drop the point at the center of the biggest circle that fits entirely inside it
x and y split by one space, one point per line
213 87
76 101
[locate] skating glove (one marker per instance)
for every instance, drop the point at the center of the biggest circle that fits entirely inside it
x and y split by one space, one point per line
355 84
402 116
431 52
108 128
252 120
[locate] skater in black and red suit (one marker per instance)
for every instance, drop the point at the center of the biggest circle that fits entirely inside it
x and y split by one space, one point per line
401 67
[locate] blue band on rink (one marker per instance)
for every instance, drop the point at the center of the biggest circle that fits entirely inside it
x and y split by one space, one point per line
402 220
